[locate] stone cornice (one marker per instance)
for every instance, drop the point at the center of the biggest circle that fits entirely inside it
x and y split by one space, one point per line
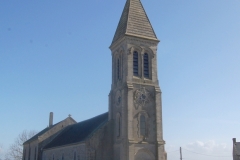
135 38
129 85
161 142
158 90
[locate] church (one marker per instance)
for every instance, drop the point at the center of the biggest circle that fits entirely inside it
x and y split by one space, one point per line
132 127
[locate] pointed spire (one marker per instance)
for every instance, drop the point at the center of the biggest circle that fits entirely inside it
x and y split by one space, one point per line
134 22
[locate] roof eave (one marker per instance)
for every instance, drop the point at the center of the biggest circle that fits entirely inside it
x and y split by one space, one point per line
70 144
143 37
132 35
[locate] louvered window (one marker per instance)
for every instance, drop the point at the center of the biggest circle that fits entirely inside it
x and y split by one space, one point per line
135 63
142 125
146 65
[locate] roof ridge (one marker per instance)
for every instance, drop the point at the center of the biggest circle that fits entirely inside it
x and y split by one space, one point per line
128 16
43 131
96 129
148 19
78 132
36 135
91 118
59 133
120 27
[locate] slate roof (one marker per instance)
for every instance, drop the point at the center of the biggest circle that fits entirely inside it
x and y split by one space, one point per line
134 21
38 134
78 132
44 131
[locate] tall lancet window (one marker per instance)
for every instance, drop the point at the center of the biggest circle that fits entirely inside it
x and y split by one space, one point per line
24 154
29 154
142 125
35 153
118 125
146 65
135 63
75 156
118 69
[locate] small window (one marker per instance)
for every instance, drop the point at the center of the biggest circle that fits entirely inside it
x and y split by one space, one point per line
62 156
53 157
135 63
142 125
146 65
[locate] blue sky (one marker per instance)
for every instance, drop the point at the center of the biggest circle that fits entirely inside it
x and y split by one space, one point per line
54 56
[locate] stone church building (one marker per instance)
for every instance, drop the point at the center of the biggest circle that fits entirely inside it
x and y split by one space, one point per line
236 149
132 127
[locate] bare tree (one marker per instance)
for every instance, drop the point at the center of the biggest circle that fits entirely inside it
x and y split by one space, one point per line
15 151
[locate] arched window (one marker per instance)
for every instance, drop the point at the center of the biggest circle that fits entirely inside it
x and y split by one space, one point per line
29 153
135 63
142 125
118 69
118 126
35 153
24 154
146 65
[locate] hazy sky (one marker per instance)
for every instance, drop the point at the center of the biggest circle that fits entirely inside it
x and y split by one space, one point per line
54 56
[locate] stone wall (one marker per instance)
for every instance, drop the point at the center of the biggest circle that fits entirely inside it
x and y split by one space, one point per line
135 96
34 147
99 145
30 150
67 152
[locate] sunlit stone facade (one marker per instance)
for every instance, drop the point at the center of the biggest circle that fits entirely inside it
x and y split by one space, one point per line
132 128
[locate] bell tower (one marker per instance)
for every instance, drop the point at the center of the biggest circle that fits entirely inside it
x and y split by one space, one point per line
135 106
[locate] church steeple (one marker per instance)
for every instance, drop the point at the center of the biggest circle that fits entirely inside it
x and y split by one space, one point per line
134 22
135 105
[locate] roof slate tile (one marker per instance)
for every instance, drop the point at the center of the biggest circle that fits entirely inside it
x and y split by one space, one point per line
134 21
78 132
